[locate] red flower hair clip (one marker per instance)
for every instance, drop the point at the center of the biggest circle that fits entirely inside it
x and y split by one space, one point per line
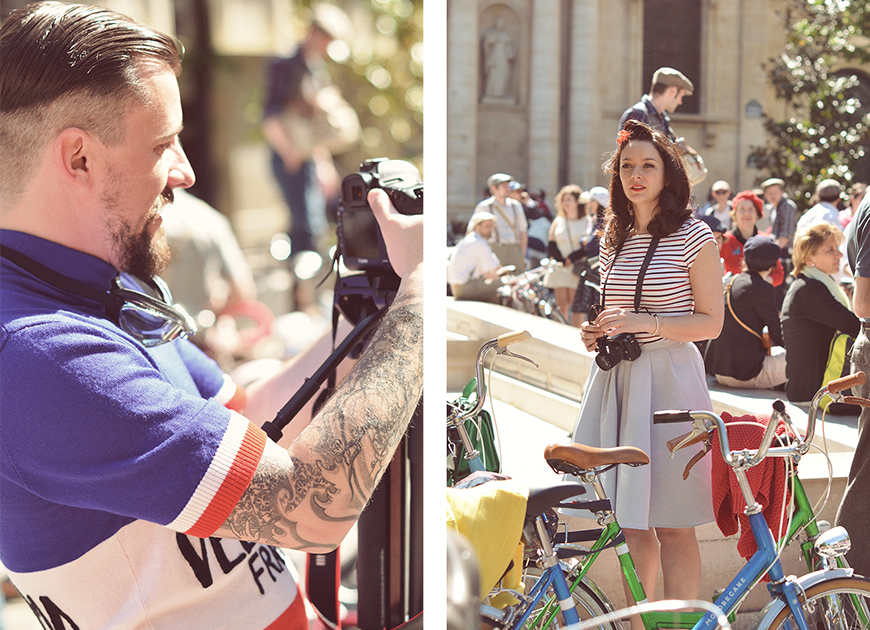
622 137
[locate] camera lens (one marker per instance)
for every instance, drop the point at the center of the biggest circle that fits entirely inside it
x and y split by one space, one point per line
604 362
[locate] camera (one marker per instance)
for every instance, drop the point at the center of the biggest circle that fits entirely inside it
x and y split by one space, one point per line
612 350
360 242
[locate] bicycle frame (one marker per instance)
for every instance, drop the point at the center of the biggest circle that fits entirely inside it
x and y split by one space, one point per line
764 561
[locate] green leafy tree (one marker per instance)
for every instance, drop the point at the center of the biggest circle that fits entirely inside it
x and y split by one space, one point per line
382 78
820 77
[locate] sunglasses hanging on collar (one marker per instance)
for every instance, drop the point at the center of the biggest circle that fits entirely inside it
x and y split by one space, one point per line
152 320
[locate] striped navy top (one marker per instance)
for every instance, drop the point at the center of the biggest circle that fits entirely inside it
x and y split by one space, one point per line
666 287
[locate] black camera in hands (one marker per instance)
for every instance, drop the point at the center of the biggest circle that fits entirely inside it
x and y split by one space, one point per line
360 242
612 350
372 283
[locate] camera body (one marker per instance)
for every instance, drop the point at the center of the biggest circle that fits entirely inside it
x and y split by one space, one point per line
360 242
373 283
612 350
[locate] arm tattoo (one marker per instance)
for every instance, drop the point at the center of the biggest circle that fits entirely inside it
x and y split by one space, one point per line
338 460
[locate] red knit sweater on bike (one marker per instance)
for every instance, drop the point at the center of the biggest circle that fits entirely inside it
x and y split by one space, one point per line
767 480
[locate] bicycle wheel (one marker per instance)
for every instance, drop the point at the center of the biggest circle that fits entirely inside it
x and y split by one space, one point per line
587 601
836 604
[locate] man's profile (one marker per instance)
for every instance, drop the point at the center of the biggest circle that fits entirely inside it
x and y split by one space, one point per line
137 489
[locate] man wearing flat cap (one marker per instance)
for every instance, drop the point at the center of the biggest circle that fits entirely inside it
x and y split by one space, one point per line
828 192
510 235
474 268
668 88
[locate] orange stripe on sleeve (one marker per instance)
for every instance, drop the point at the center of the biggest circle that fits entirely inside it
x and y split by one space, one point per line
234 485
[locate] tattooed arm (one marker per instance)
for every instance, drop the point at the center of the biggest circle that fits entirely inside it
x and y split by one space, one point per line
310 495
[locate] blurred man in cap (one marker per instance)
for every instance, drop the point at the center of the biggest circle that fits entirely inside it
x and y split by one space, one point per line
510 237
473 267
720 205
302 163
828 192
668 88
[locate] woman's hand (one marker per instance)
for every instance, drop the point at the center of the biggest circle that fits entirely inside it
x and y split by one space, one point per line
590 333
614 321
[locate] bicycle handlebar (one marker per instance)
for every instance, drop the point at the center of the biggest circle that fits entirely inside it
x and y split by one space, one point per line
500 345
833 387
706 422
510 338
845 382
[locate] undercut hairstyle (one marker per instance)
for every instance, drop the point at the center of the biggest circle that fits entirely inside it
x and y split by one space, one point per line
808 241
673 200
69 66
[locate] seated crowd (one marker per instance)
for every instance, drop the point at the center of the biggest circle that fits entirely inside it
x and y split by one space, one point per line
785 291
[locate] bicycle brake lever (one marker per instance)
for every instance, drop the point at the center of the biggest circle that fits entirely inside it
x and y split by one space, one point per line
688 437
507 351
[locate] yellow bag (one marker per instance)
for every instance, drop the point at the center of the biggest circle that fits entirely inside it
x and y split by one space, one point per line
839 360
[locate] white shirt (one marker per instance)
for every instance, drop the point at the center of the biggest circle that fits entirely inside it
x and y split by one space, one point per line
472 257
510 219
823 211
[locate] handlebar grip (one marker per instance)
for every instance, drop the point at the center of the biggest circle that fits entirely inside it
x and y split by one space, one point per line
668 416
854 400
838 385
513 337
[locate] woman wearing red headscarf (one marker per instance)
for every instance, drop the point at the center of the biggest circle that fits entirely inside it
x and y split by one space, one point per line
746 209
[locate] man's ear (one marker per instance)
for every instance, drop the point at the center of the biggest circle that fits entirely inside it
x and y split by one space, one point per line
74 155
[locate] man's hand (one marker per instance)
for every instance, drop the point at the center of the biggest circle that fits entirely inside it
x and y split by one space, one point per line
403 234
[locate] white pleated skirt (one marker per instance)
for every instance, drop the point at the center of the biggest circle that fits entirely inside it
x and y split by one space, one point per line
617 410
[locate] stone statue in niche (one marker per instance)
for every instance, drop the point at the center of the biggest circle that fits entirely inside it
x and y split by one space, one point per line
499 53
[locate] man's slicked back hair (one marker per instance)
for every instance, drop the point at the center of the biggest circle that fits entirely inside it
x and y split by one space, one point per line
66 66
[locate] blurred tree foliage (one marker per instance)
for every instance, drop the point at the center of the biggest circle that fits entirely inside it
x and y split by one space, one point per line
826 134
381 75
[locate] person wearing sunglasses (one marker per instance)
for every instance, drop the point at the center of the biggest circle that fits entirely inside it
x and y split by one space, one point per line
136 489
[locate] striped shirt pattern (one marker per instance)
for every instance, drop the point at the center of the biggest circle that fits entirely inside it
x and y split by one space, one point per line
666 288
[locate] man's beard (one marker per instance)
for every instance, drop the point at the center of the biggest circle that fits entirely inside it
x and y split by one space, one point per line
139 253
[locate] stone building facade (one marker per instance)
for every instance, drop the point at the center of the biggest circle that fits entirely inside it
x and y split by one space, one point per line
566 70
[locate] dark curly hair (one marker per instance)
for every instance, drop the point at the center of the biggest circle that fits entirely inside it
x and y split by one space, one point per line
673 200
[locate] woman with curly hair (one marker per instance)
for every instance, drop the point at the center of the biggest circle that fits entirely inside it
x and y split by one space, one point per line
649 233
565 245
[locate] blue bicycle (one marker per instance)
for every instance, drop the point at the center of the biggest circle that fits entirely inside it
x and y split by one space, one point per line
559 594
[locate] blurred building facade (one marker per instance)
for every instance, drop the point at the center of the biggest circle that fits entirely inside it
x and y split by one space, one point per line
573 66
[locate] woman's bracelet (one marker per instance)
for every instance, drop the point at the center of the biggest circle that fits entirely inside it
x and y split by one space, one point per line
658 326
